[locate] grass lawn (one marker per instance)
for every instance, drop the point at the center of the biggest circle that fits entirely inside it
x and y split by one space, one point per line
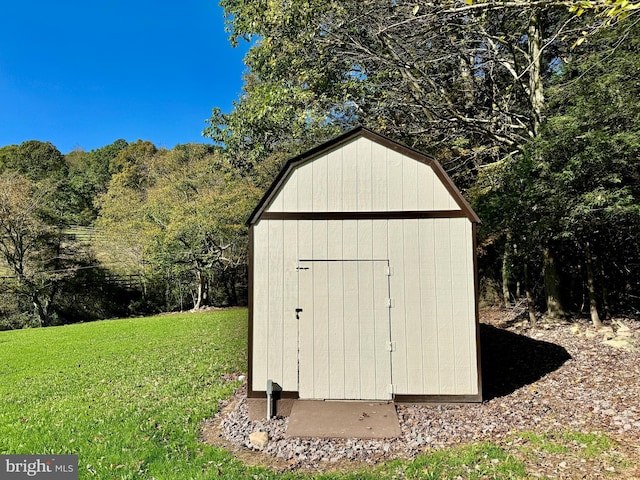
127 397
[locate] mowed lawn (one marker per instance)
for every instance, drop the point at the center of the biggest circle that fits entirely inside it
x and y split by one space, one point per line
127 396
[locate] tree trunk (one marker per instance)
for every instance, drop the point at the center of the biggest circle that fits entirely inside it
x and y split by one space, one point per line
41 310
199 291
605 294
531 307
202 290
536 87
555 308
506 270
591 287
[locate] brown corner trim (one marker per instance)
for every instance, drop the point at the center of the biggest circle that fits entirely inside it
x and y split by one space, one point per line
250 308
398 215
476 295
438 398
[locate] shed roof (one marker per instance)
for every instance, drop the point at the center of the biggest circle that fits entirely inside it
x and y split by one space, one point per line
337 142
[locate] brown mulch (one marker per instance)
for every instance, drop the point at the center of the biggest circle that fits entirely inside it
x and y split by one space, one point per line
548 380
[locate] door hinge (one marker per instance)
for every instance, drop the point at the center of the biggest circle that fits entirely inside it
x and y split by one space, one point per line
391 346
388 271
389 302
391 389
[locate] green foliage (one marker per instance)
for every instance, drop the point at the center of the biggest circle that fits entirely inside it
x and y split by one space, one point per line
89 177
453 83
577 185
180 214
35 160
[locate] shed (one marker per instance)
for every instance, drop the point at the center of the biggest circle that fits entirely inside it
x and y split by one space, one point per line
363 278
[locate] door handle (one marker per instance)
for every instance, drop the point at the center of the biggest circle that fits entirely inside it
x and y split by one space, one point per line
298 310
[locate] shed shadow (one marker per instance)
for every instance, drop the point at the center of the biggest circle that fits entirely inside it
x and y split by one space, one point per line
511 361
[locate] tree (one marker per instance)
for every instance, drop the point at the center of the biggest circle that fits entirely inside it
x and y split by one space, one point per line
580 176
36 206
589 154
89 177
183 211
35 160
29 244
464 84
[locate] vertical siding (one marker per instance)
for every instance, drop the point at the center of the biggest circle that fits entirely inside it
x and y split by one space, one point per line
349 165
304 180
431 284
444 305
379 183
362 176
463 306
289 377
320 317
410 183
337 365
364 198
428 308
289 196
276 297
432 318
260 305
413 315
305 345
334 185
399 332
394 181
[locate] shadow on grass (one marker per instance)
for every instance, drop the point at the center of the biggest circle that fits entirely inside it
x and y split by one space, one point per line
511 361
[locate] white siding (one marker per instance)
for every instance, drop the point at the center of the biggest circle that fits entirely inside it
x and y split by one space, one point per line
432 314
362 176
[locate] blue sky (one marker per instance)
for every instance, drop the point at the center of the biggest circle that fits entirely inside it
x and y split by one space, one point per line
82 74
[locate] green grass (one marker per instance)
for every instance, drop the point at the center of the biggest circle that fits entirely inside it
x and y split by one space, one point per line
477 461
585 445
127 396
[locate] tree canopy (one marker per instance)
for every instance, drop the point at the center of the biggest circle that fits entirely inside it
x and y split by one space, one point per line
520 109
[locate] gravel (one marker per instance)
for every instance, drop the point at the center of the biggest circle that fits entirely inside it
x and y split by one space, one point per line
549 379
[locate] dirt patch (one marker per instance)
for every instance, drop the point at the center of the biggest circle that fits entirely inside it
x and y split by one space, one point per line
548 380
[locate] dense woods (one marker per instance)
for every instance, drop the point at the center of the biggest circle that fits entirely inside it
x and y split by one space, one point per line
532 107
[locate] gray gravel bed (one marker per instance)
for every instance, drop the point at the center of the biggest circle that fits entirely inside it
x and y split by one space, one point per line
579 384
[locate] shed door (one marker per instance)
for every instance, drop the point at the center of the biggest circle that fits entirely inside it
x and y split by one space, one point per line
344 343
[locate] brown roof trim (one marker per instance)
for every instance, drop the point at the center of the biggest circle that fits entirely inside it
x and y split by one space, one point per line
388 215
347 137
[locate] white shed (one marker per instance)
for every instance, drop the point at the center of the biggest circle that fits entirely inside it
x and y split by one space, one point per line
362 278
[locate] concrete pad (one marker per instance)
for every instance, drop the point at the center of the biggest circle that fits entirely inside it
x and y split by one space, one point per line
334 419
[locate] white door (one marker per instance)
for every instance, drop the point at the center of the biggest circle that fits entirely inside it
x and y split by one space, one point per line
344 343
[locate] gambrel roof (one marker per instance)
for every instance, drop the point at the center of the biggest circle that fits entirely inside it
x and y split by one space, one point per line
463 208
